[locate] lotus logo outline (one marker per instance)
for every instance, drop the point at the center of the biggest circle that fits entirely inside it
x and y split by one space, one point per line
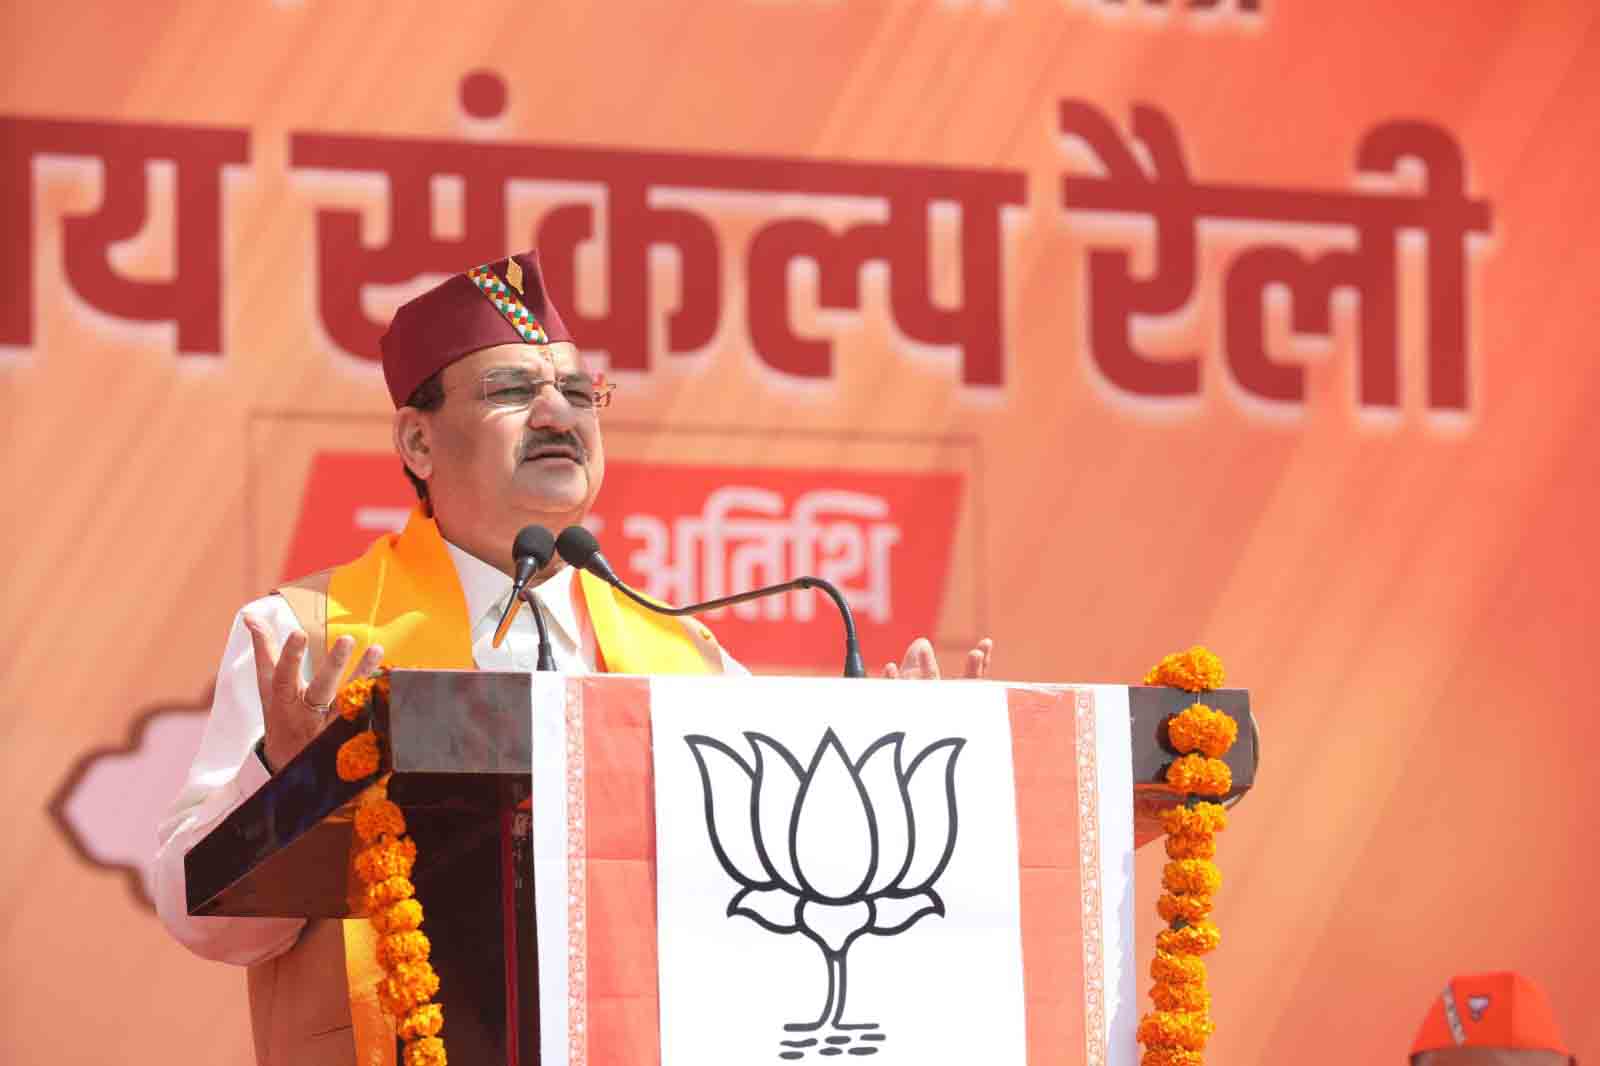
833 849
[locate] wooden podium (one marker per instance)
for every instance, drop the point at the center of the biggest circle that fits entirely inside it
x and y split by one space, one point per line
461 745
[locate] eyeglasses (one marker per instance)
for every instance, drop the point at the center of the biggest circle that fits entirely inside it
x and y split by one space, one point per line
513 389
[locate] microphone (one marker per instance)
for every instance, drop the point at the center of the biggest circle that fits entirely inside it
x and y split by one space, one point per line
578 548
532 550
581 551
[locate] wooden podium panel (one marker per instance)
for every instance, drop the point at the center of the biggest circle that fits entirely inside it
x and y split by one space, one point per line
462 745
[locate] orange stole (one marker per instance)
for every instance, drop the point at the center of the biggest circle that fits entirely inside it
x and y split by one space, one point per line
403 594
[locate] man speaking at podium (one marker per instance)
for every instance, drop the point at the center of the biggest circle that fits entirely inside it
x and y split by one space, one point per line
498 427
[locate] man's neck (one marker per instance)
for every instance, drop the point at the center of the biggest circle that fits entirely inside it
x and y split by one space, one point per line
496 553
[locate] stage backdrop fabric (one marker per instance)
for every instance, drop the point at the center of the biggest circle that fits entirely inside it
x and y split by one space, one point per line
1100 327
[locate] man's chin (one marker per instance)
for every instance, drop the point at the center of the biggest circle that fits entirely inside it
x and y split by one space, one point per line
547 486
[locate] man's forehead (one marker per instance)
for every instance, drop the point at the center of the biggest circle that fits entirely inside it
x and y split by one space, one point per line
559 358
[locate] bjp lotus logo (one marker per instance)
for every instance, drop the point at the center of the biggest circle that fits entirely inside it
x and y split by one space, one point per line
834 849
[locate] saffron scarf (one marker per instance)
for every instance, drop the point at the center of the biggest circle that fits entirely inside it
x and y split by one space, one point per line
403 594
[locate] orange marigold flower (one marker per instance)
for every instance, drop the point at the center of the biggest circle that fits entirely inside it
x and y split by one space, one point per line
409 984
354 697
379 818
409 946
1191 877
393 890
1191 909
358 757
422 1021
401 917
1172 1056
1194 939
1192 670
1192 846
418 977
1199 728
1183 820
1200 776
1177 969
1175 1028
394 1004
1189 997
429 1051
386 859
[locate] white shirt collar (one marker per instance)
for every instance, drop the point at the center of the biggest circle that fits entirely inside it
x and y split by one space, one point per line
486 589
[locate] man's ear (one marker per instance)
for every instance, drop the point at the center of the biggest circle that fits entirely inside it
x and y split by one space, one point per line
413 436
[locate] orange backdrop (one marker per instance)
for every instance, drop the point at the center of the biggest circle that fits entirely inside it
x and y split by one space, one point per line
1100 327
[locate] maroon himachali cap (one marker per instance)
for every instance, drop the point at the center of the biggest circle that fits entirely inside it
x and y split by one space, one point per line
503 302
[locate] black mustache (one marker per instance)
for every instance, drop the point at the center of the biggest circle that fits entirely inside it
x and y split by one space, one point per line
539 441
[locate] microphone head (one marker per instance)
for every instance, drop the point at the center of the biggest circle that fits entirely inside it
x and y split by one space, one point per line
578 547
534 543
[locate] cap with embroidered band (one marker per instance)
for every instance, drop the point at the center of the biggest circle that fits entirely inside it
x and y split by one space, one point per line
504 302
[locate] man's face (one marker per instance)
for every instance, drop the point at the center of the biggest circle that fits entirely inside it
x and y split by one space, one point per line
501 456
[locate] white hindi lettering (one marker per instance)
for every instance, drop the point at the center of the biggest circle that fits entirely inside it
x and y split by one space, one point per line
743 538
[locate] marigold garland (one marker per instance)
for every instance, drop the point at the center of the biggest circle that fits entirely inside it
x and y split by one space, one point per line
359 757
1198 939
423 1021
1172 1056
1176 1028
384 868
1191 997
1191 909
1200 776
391 858
1199 728
1177 969
1176 1032
355 696
1193 670
1191 877
1192 846
391 890
409 946
409 984
429 1051
399 917
1202 818
377 818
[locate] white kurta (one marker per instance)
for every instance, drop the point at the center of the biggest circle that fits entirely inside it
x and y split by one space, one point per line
226 771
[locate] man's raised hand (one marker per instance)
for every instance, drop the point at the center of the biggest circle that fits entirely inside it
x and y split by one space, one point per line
921 664
295 712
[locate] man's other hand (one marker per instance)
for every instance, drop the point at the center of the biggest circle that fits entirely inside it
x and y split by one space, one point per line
295 712
921 664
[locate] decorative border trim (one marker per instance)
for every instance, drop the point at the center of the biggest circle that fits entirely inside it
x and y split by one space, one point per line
511 309
577 885
1452 1016
1094 969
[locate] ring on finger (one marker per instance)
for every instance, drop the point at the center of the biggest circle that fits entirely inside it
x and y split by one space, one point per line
321 708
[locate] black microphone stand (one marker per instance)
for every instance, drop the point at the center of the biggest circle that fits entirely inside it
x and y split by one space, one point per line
547 657
853 666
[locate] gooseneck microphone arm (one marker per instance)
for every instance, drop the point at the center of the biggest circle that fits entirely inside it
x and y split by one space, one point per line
578 547
547 657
